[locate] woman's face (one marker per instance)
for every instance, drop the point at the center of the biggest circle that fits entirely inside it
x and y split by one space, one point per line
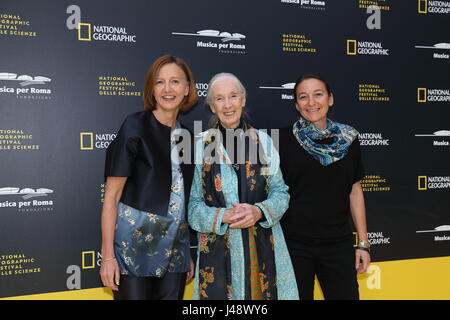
170 87
227 102
313 102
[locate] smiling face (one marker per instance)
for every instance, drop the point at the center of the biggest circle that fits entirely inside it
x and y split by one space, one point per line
170 87
313 101
227 101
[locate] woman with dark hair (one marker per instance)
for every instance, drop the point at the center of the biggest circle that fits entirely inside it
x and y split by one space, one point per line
321 163
237 200
145 235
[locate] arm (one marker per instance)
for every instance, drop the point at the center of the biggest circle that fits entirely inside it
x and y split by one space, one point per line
247 215
277 201
201 217
358 211
109 270
278 197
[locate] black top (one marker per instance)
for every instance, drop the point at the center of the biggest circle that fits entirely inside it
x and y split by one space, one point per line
141 151
319 208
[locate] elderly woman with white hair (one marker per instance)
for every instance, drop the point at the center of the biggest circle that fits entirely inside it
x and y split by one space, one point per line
238 197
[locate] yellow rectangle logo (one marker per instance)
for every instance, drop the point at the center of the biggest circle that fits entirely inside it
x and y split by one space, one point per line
422 183
84 31
351 47
421 94
356 239
423 6
86 140
85 258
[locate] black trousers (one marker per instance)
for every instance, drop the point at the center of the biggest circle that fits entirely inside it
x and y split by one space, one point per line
333 263
169 287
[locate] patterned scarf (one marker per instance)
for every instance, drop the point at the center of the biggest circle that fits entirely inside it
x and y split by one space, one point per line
215 279
309 137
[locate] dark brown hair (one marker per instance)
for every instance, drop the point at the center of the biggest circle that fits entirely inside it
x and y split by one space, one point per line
311 76
147 96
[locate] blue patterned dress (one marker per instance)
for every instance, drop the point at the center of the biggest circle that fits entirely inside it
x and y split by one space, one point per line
147 244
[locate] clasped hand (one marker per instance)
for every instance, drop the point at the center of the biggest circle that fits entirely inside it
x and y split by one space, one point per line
242 215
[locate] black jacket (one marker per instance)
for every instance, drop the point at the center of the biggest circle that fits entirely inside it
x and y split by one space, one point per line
141 152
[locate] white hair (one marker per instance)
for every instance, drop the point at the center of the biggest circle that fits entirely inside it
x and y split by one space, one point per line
221 76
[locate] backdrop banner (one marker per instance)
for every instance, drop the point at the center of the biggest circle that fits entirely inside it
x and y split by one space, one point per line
71 71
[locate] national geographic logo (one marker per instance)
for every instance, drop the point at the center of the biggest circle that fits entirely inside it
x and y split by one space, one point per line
378 238
92 32
84 32
433 95
434 7
87 32
433 182
421 94
355 47
372 139
88 260
202 89
94 141
422 183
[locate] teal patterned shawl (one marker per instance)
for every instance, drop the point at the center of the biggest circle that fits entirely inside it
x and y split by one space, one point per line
310 137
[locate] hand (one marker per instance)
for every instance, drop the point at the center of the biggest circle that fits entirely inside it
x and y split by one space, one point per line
362 260
110 274
245 216
190 273
228 216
